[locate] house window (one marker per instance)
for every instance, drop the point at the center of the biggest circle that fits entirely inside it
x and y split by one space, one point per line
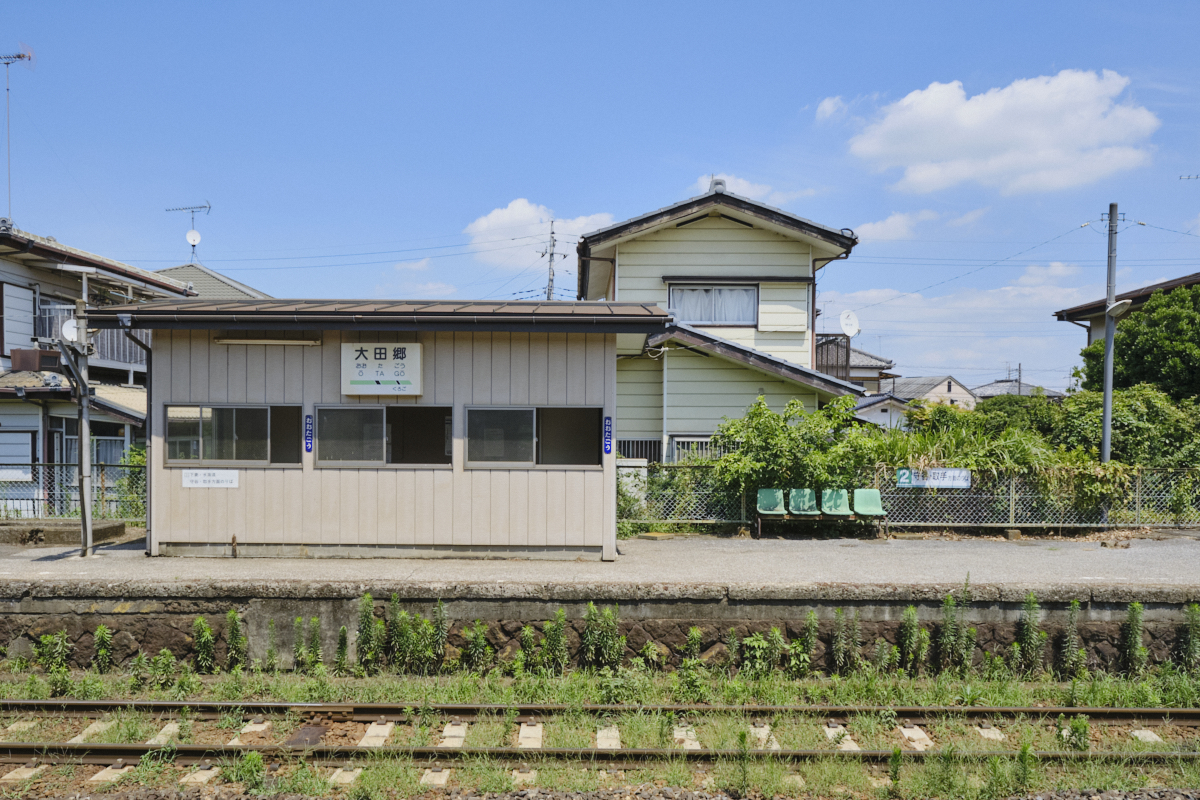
247 434
377 435
715 305
531 436
949 386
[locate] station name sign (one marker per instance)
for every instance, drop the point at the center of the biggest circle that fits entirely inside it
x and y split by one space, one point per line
933 478
379 369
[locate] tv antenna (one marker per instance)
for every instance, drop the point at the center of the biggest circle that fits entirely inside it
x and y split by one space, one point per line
25 55
193 235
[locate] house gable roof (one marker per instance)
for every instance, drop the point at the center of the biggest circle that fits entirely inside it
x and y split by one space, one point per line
1012 386
864 360
212 285
1138 296
912 388
596 246
702 340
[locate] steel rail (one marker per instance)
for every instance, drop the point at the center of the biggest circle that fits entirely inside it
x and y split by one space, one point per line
368 712
187 754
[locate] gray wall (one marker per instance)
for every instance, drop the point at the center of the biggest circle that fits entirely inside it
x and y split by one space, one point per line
391 510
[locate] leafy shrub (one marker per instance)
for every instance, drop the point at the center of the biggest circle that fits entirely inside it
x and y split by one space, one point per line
913 641
651 655
59 680
139 671
1078 730
1190 647
623 685
691 647
249 770
314 642
1073 663
102 642
205 644
601 643
733 650
1134 655
162 669
238 644
272 661
956 642
1029 651
89 687
340 661
53 651
688 682
300 657
477 654
369 651
415 644
847 642
760 654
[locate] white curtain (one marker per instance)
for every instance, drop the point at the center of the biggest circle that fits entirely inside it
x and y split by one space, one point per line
721 305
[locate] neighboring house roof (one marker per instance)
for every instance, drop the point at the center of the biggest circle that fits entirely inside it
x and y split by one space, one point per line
864 360
703 340
212 285
44 252
1012 386
123 402
912 388
876 399
1138 296
388 315
837 242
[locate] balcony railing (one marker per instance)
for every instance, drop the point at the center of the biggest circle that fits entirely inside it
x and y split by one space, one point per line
111 345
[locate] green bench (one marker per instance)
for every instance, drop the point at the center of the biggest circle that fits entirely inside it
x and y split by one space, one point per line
802 505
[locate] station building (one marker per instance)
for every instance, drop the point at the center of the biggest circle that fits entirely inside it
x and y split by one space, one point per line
360 428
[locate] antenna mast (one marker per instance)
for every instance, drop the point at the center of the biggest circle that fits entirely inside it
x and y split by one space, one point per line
193 235
8 62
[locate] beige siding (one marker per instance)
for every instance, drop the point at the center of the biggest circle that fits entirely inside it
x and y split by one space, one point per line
383 506
639 398
701 391
719 248
958 395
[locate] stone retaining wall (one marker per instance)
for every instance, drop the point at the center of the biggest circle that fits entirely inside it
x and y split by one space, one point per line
154 616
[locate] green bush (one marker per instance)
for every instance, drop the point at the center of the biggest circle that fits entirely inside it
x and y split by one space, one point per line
477 654
237 642
204 641
102 644
1134 654
1073 663
53 651
601 643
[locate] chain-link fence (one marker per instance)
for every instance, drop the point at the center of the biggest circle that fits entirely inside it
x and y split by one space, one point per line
51 491
675 493
1144 498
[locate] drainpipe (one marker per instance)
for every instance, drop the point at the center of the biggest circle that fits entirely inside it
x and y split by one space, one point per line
126 323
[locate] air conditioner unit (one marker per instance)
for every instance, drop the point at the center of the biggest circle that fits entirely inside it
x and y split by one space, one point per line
29 360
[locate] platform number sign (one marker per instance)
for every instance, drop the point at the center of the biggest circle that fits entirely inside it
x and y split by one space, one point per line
381 369
908 478
308 433
608 436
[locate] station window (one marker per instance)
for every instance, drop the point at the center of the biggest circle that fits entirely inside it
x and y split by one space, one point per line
250 434
367 435
528 436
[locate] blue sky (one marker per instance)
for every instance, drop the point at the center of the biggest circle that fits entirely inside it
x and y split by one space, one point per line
388 150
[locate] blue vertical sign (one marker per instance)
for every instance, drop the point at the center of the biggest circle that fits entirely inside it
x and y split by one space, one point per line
608 436
308 433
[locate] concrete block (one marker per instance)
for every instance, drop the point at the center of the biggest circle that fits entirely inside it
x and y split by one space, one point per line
96 728
989 732
377 734
344 777
200 776
530 736
685 737
838 733
21 774
608 738
1143 735
453 735
22 725
524 776
762 738
167 734
916 738
251 727
110 773
435 776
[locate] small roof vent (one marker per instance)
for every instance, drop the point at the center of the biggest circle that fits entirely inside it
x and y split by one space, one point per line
717 186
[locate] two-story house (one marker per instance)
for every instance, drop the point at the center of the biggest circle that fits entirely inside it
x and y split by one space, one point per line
40 280
738 277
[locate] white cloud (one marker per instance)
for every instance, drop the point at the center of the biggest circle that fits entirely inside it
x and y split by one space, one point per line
898 226
1036 134
971 333
512 236
1049 275
969 218
402 287
830 107
406 266
755 191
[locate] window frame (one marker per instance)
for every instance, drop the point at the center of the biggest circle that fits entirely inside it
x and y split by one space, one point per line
216 463
384 464
719 285
526 465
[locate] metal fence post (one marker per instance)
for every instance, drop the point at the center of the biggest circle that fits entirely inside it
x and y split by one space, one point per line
1137 499
1012 499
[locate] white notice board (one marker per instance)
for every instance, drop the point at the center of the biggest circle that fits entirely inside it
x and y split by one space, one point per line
943 478
381 369
210 479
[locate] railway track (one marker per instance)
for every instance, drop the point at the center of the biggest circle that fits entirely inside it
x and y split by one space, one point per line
308 725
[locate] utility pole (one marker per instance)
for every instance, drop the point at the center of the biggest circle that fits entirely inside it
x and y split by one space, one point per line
75 358
7 61
550 283
1110 330
1018 379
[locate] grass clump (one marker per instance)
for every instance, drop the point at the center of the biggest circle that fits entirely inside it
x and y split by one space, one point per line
102 644
249 770
601 644
1028 652
913 641
847 642
1134 654
238 644
1073 663
204 641
477 654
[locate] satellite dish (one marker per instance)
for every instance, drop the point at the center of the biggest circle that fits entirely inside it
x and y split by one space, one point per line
849 322
193 237
70 330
